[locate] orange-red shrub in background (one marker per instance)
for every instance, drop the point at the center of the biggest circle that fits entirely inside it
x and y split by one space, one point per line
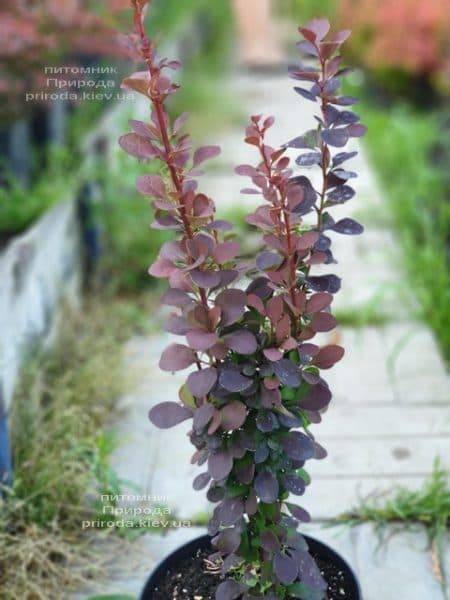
48 32
402 35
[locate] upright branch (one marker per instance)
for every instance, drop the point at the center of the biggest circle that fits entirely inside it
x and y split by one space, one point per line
258 384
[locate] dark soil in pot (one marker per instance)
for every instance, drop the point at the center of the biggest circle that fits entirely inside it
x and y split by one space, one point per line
183 575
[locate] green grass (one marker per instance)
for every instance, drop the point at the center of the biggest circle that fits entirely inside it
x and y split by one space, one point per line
429 506
361 316
400 144
20 206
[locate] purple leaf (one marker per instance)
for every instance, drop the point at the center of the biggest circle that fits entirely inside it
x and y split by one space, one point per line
250 192
319 451
307 240
356 130
298 446
251 504
233 415
287 372
266 486
307 140
345 101
162 268
305 93
285 567
328 356
201 340
262 453
268 260
346 117
325 283
269 541
245 473
172 251
168 414
260 287
180 122
294 484
298 513
318 302
151 185
348 227
220 225
335 137
176 357
246 170
229 590
266 421
337 176
165 222
309 572
227 276
201 481
307 48
323 321
233 381
201 382
318 398
232 303
320 27
137 146
175 297
273 354
309 159
202 416
215 494
230 511
241 341
220 464
341 194
227 541
206 279
341 157
225 252
140 128
205 153
177 325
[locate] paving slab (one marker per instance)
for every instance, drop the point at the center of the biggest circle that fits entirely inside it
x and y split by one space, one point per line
398 569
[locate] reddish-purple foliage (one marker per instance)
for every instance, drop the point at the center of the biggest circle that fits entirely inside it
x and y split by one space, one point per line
257 384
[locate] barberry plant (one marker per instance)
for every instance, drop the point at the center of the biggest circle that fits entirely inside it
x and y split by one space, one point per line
256 384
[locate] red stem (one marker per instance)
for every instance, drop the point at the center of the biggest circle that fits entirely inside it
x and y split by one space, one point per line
158 104
287 224
324 149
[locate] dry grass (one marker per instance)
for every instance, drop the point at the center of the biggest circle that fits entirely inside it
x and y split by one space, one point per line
60 453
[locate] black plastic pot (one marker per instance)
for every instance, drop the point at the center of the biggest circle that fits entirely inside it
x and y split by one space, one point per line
202 543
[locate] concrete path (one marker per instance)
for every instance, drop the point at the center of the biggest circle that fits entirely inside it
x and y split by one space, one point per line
390 417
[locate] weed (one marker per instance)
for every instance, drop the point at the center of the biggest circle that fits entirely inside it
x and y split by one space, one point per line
428 506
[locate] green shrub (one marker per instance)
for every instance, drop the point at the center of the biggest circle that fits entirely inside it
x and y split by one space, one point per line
305 10
20 206
401 146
